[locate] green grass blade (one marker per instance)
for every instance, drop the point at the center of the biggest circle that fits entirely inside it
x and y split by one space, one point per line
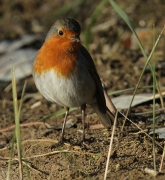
56 114
92 21
129 23
21 101
128 89
154 109
124 16
154 121
17 123
27 169
140 78
11 155
19 114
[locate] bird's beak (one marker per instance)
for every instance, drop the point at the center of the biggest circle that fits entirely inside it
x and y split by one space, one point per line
75 38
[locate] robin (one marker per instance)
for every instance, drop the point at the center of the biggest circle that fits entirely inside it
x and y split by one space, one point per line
64 73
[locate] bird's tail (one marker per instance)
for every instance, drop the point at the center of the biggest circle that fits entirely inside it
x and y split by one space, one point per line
107 118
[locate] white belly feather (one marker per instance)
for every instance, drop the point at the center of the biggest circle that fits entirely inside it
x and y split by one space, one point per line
71 92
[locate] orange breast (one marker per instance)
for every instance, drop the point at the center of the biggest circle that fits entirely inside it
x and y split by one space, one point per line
59 54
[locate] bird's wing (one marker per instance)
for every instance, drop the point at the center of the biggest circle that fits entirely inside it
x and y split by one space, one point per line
93 72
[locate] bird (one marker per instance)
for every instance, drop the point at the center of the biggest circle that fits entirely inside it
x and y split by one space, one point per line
65 74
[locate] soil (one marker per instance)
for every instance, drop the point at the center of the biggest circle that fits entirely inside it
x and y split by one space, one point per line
118 65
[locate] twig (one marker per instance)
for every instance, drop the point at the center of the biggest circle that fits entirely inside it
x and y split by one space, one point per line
47 154
161 163
24 125
38 155
110 146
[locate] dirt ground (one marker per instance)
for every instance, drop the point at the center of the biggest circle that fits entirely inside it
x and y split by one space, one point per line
118 65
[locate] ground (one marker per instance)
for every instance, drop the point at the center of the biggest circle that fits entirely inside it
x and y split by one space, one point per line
119 66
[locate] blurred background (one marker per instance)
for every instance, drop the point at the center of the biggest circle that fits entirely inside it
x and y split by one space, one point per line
18 17
104 33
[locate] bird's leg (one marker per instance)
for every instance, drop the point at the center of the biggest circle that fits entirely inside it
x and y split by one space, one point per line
83 107
64 123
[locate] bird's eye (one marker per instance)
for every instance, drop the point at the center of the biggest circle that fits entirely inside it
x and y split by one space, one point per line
60 33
